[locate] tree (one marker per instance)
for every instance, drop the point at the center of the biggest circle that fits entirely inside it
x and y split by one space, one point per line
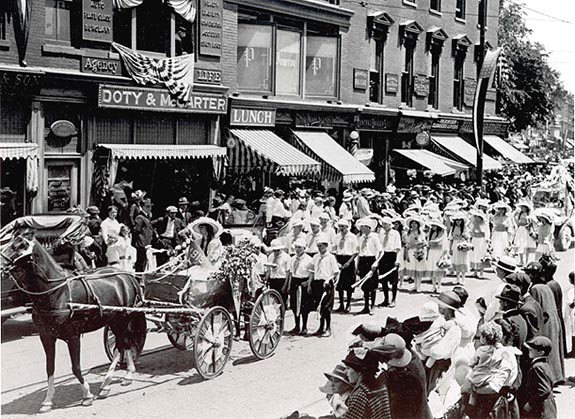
526 95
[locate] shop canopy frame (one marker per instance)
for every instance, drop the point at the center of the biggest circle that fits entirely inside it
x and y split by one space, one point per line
461 149
507 150
29 152
337 163
264 150
439 165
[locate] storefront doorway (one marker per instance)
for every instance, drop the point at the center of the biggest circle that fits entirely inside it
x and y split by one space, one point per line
61 177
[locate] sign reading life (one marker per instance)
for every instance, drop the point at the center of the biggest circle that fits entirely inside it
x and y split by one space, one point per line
159 100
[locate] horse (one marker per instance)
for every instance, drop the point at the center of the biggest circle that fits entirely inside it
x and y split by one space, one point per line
51 288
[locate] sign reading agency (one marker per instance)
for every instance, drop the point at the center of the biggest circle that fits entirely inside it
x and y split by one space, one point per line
253 117
159 100
211 14
105 66
97 21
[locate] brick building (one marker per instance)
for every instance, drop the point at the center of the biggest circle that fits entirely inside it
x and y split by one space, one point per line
300 76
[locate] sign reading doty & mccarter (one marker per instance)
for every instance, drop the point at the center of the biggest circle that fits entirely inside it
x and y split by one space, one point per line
159 100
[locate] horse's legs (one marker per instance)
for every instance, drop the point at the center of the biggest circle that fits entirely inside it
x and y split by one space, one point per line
131 368
105 387
74 349
49 344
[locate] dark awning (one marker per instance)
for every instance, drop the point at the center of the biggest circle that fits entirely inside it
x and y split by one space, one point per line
506 150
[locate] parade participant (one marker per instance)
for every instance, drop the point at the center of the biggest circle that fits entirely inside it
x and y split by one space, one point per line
458 237
523 240
142 233
538 383
391 246
121 254
183 213
299 273
278 268
362 204
326 227
502 229
370 252
316 208
208 232
110 227
415 252
329 208
346 207
301 215
437 251
405 378
479 232
509 302
345 249
295 234
544 235
369 397
325 273
311 237
337 390
398 225
167 229
136 207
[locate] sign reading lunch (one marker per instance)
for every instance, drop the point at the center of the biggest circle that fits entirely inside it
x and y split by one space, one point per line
158 100
253 117
97 22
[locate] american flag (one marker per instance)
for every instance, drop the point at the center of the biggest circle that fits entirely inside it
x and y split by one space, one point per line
176 73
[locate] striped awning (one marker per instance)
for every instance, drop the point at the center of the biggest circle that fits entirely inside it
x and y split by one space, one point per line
506 150
169 151
439 165
337 163
264 150
458 147
18 151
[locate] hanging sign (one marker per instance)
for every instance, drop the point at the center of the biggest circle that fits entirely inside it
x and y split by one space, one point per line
360 79
210 27
107 66
97 21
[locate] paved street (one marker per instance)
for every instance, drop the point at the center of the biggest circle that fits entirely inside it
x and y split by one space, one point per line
166 384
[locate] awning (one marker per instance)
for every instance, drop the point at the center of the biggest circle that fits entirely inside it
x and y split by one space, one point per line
570 143
459 147
262 149
337 163
437 164
506 150
168 151
18 151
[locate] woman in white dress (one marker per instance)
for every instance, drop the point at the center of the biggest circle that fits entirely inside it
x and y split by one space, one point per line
524 234
437 249
502 229
415 251
479 232
457 236
544 235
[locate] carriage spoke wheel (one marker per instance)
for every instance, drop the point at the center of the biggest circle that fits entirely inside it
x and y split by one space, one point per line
213 342
181 337
110 340
266 324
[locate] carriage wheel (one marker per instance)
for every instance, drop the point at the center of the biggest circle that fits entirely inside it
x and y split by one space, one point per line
266 324
213 342
110 340
182 339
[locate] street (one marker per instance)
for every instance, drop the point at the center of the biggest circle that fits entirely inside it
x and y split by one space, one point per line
167 385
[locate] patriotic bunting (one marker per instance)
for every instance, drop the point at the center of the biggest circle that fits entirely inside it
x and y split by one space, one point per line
176 73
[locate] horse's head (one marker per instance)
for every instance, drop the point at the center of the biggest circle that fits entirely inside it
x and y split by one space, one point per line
17 250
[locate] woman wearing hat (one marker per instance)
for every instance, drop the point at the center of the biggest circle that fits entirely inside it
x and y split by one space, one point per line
524 234
502 229
415 251
209 231
458 235
479 232
544 235
278 268
437 250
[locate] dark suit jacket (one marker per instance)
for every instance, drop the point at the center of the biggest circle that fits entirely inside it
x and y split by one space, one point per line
143 232
186 217
533 314
161 223
515 317
538 384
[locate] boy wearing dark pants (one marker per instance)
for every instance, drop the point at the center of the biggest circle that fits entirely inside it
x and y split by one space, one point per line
345 250
300 273
538 383
391 245
369 254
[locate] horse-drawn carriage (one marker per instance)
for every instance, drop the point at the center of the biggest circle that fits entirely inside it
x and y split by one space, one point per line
199 308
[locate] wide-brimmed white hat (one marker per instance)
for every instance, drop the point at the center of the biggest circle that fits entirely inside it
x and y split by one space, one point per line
506 263
217 227
501 205
438 223
342 222
418 220
299 243
367 222
347 196
276 244
546 216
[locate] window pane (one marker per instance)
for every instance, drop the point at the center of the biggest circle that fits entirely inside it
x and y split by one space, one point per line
51 6
321 60
152 23
123 27
288 62
254 57
63 21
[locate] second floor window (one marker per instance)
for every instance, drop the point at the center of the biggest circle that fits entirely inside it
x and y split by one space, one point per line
435 5
433 98
458 81
288 63
376 71
255 57
460 9
57 19
407 75
321 66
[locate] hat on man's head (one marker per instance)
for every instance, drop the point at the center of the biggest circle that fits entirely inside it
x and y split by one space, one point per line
93 210
322 239
367 222
449 299
314 221
520 279
299 243
338 373
298 222
534 267
506 263
342 222
391 345
510 293
171 208
324 216
183 201
386 220
276 244
347 196
540 343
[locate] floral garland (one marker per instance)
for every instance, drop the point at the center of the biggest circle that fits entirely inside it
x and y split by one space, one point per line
238 264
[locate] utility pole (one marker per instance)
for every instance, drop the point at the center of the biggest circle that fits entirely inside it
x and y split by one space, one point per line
482 23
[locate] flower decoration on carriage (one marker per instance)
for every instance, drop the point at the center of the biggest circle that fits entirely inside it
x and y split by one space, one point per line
464 247
237 266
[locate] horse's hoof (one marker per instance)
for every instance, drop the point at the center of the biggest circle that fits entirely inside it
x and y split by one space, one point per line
45 408
88 401
105 392
126 382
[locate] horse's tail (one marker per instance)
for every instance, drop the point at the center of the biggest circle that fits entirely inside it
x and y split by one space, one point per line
134 336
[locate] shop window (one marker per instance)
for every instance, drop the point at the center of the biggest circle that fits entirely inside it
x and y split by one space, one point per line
460 9
152 20
57 18
123 26
288 62
255 57
433 98
458 81
321 66
435 5
376 71
407 74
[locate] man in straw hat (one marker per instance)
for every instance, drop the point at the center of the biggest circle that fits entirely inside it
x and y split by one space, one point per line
391 245
278 267
299 277
345 249
370 252
362 204
346 207
504 266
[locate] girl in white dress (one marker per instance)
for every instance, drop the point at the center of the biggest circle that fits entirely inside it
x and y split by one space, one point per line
437 249
479 232
458 235
502 229
415 251
544 235
524 234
